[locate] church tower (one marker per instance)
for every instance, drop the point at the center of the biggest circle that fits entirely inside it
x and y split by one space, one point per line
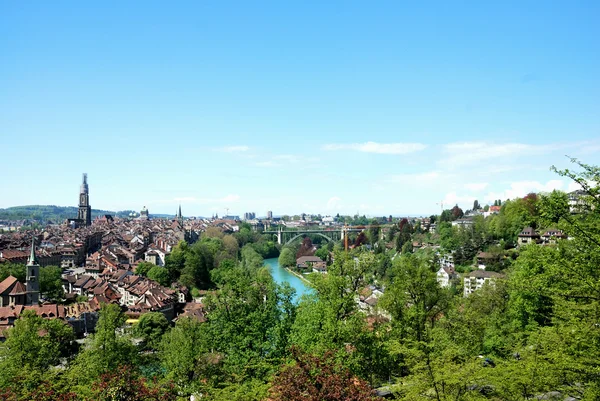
85 211
32 284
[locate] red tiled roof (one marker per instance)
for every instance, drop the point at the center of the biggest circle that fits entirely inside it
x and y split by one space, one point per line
18 289
7 284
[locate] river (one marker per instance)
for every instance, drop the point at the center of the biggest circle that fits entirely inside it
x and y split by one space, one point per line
280 275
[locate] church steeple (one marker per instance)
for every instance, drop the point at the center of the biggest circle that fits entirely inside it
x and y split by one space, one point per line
32 259
85 210
179 216
32 285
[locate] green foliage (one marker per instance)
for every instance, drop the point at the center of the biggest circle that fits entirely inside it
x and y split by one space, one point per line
51 283
143 268
160 275
105 351
287 258
323 253
33 345
12 269
181 349
151 327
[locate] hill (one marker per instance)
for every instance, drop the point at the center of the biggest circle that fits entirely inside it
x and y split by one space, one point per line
55 214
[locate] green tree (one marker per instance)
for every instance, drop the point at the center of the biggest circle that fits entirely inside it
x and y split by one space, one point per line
151 327
33 345
287 258
553 207
181 349
12 269
160 275
143 268
322 253
407 247
51 283
105 351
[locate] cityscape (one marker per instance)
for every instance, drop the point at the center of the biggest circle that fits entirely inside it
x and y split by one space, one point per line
299 202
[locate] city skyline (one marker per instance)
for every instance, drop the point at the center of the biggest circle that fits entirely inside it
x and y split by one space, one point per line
315 108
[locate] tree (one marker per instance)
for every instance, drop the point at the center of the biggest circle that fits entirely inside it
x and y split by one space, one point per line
456 212
318 378
306 248
413 298
33 345
407 247
476 205
51 283
287 258
374 231
151 327
160 275
231 246
181 348
126 385
143 268
323 253
12 269
106 350
553 207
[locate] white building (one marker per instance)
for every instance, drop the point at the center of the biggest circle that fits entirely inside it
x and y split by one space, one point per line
444 276
476 279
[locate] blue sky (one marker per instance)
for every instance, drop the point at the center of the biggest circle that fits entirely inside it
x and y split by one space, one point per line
381 108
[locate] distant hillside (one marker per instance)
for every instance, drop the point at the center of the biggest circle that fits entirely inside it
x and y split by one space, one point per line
44 213
57 214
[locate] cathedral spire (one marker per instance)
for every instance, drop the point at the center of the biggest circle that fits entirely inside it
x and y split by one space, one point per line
32 259
179 212
32 285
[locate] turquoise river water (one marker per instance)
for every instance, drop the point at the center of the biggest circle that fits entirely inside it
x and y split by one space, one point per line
280 275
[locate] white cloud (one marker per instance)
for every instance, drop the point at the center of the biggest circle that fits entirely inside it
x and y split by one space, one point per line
476 186
416 178
234 149
573 186
453 198
467 153
380 148
521 188
464 153
334 203
230 199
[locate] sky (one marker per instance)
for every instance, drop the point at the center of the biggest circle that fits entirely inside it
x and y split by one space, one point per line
318 107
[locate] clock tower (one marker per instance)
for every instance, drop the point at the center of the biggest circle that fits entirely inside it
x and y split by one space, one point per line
85 210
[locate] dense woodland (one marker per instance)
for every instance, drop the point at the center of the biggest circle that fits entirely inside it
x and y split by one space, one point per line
534 332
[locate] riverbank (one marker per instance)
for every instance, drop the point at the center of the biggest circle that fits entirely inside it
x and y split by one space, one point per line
304 279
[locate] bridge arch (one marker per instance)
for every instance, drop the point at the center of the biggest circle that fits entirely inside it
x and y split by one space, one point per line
302 234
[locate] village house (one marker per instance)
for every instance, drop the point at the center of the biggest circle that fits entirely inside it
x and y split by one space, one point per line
552 236
311 262
527 236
